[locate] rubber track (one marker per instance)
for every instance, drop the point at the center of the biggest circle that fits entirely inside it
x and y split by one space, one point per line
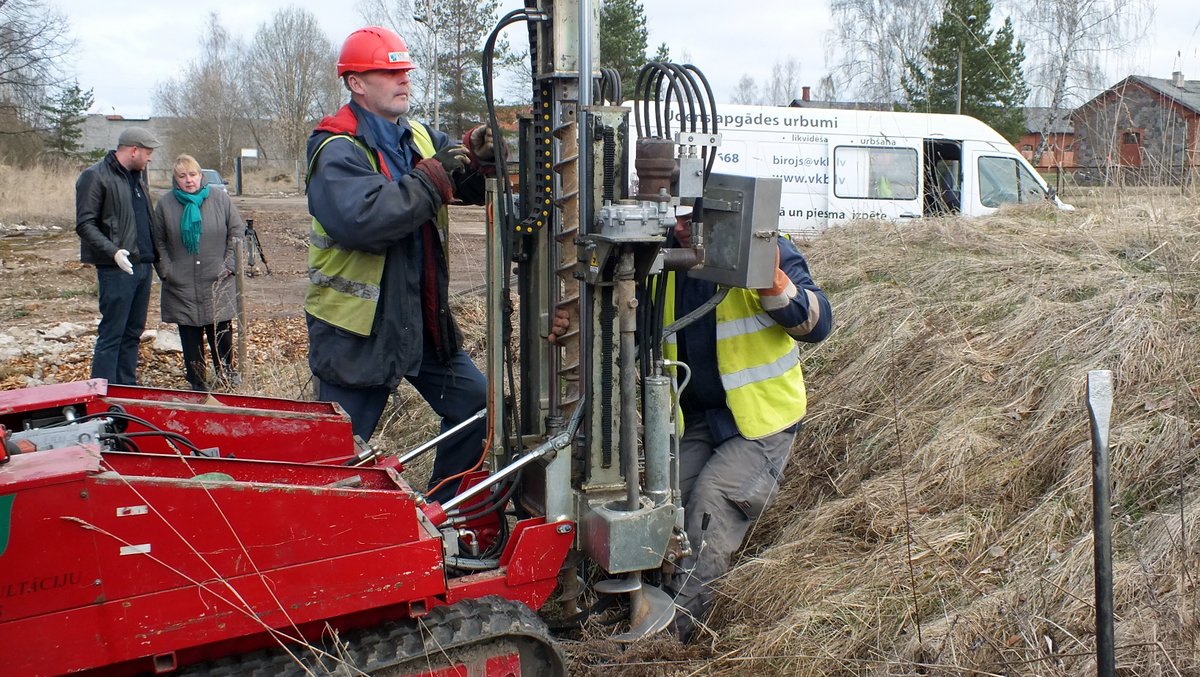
465 629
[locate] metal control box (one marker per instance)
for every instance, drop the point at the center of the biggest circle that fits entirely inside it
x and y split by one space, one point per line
741 224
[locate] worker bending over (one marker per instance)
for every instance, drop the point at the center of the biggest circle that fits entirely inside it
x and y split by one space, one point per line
741 411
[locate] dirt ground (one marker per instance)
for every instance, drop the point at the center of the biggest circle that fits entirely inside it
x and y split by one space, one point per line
44 287
54 287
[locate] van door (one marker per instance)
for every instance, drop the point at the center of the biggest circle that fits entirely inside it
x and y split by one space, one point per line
874 181
942 177
999 178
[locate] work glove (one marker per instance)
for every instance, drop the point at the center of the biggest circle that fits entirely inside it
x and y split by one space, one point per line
480 142
434 170
781 281
122 260
454 159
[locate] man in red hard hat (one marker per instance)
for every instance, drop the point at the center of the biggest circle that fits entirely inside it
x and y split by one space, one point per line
377 303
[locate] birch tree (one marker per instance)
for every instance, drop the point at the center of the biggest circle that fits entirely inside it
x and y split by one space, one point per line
208 99
293 66
1067 43
873 40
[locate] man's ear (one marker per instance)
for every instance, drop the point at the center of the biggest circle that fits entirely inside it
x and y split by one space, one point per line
354 83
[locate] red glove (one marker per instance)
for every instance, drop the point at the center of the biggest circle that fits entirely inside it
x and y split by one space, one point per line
436 173
781 281
479 140
483 153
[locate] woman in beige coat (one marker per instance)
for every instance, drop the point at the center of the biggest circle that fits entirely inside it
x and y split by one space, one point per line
195 230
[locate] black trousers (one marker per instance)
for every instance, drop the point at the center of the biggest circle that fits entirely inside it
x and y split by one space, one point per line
220 345
123 302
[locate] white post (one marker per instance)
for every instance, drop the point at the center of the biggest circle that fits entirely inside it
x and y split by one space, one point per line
428 20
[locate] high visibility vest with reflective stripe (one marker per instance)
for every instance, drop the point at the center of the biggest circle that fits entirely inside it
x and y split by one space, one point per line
759 364
344 284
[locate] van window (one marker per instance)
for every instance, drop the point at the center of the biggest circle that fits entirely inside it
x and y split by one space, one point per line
1003 180
875 173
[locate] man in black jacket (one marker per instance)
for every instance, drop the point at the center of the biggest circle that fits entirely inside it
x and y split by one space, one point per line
112 218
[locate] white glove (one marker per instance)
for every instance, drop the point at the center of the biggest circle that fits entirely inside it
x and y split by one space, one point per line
122 259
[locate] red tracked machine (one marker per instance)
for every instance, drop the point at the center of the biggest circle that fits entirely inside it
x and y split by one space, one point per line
145 529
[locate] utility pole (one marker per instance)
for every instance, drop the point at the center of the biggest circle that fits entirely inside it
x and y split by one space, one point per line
427 19
958 99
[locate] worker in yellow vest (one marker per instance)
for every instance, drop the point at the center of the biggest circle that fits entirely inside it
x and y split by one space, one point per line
377 302
741 410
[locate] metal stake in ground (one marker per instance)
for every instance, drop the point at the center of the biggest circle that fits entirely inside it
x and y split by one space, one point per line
1099 400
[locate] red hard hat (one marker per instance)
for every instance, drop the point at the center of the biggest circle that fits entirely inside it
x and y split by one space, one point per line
373 48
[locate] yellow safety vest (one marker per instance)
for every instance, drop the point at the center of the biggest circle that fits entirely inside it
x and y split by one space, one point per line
344 284
758 362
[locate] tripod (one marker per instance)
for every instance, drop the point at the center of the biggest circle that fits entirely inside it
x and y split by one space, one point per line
254 250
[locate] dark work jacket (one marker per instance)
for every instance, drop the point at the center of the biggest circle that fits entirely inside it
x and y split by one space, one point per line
104 217
364 210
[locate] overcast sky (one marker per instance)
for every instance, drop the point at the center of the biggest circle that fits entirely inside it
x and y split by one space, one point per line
125 47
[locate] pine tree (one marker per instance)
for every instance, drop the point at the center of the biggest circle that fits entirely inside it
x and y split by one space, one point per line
623 40
65 114
463 27
993 86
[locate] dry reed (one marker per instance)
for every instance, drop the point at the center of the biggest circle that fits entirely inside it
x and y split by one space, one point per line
40 195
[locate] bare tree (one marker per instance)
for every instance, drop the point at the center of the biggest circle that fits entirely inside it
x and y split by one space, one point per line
779 90
746 92
33 40
292 64
827 89
208 100
421 39
1067 43
784 84
872 40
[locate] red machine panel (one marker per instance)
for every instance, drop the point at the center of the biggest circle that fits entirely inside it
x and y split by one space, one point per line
114 557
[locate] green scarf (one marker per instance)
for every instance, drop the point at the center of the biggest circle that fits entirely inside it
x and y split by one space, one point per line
189 223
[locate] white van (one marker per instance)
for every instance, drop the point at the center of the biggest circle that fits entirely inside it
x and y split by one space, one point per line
841 165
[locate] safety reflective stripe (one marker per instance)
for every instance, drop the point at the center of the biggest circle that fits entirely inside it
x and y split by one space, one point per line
321 240
742 326
344 284
757 362
759 366
362 290
763 372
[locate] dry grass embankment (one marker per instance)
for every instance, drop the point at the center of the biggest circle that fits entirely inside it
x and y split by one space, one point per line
936 517
38 195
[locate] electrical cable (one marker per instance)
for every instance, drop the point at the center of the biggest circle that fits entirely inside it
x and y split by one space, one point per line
494 503
176 437
699 312
505 219
123 416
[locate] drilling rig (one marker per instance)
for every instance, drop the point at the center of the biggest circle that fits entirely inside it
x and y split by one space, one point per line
146 530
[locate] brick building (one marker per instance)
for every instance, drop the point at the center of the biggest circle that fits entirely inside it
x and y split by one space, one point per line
1049 140
1142 127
